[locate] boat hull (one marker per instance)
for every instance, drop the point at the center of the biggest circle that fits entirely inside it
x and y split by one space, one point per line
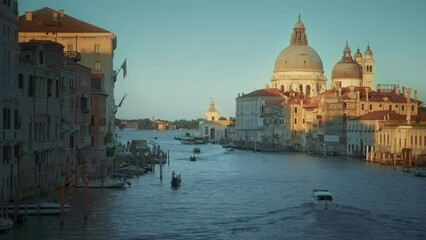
5 224
98 183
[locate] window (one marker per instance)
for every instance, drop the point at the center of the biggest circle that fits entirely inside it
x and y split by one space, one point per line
6 118
97 66
49 87
371 106
402 107
16 119
20 81
97 48
71 141
362 106
41 57
31 86
70 47
295 121
295 110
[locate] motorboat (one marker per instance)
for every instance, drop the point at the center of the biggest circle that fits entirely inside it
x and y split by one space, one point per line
176 181
322 199
105 182
35 208
5 224
196 150
192 158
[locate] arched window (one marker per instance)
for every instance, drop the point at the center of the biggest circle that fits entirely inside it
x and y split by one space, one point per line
300 88
362 106
308 90
371 68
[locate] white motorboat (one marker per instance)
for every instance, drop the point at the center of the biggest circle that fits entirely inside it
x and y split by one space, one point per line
5 224
105 182
322 199
42 208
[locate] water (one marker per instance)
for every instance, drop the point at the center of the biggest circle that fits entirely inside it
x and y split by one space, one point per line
245 195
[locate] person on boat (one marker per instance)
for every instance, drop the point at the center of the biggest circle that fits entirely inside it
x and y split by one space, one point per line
173 174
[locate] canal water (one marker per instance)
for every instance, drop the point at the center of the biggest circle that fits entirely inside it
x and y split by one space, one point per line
245 195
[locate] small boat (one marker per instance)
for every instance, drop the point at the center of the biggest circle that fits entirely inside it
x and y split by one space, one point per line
196 150
5 224
192 158
42 208
176 181
105 182
322 199
420 174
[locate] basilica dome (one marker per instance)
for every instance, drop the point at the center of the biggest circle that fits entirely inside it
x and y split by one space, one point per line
298 58
347 68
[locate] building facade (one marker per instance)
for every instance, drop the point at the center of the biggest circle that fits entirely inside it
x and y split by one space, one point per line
93 45
10 106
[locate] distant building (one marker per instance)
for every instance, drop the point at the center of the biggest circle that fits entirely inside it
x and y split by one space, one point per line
214 128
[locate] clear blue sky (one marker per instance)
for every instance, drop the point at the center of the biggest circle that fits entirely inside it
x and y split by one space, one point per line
181 53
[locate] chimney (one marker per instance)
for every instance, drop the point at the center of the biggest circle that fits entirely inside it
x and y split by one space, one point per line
408 94
415 95
29 16
61 13
397 89
55 16
403 91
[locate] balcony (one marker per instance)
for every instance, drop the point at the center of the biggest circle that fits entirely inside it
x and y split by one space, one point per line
74 55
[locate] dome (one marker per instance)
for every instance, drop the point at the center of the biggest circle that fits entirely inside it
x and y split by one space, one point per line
347 67
297 58
344 69
358 54
368 51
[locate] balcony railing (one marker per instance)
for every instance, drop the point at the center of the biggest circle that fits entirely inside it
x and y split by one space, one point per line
74 55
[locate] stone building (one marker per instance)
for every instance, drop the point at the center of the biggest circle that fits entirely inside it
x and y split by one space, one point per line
10 106
214 128
94 47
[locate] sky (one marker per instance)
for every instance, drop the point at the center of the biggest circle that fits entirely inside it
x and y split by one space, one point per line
182 53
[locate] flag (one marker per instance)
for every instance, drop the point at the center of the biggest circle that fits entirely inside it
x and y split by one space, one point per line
124 67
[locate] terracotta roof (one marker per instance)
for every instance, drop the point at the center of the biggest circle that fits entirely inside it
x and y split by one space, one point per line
311 105
373 96
380 115
43 21
264 92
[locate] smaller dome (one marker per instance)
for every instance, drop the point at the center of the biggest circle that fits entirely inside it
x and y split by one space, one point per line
368 51
347 67
346 70
358 54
